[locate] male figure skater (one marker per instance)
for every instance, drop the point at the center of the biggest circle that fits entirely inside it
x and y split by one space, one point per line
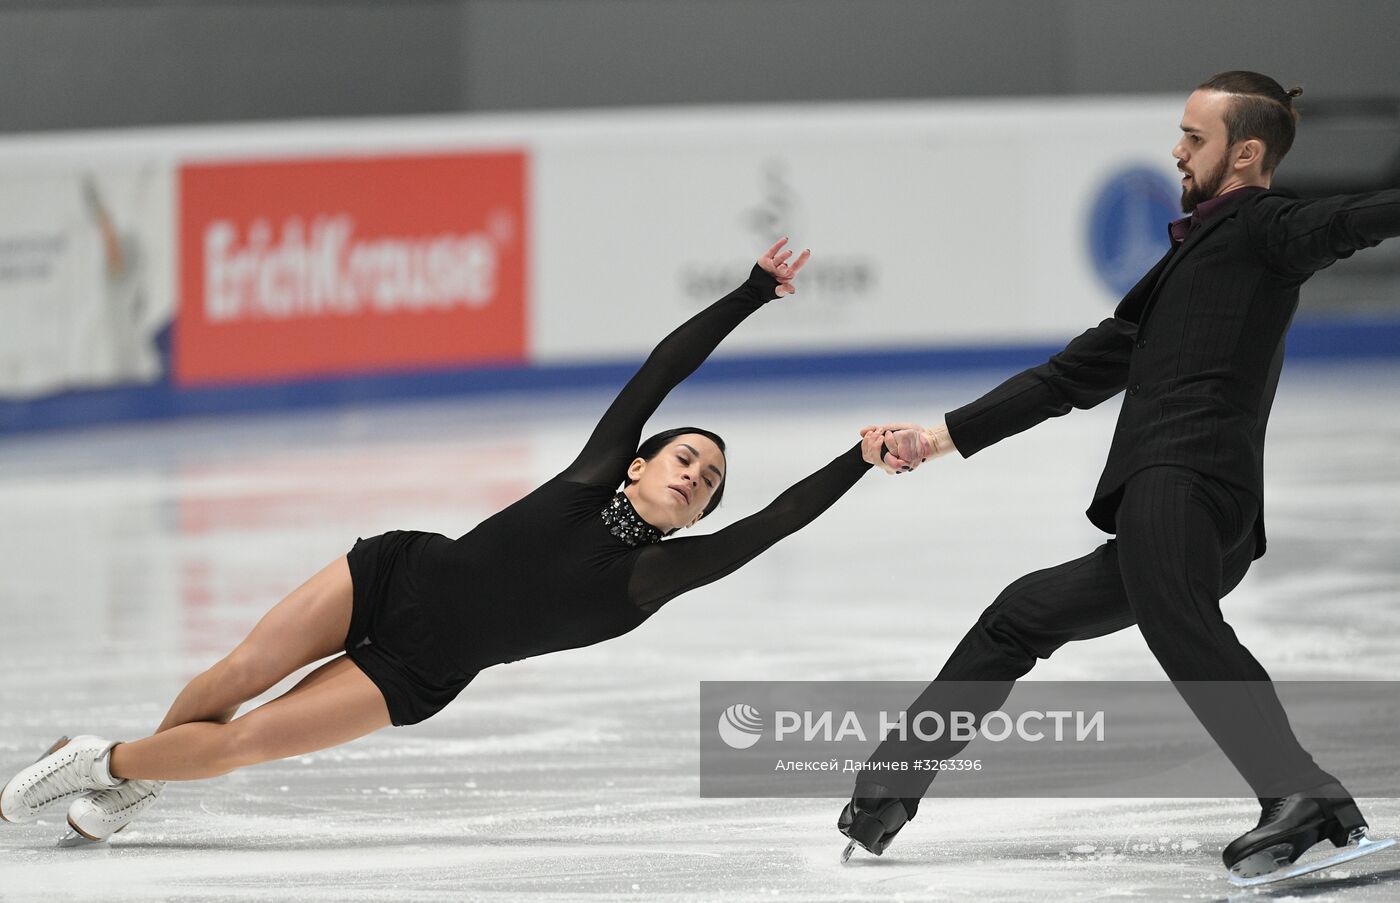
1198 345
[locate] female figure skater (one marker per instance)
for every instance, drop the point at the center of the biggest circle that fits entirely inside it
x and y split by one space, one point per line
416 615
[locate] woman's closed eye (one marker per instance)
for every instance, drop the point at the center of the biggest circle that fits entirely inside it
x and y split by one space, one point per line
685 462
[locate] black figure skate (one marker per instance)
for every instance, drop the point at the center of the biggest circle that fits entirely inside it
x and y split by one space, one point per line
872 818
1290 825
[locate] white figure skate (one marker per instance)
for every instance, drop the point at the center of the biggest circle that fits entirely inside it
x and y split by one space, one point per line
69 768
97 816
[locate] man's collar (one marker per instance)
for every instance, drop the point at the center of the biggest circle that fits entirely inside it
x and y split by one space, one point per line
1221 202
1207 210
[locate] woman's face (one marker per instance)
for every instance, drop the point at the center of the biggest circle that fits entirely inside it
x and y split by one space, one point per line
673 488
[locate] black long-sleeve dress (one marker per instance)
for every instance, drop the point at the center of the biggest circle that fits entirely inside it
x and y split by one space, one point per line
569 565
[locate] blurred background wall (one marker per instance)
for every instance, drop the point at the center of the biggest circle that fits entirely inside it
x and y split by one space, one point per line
210 206
102 63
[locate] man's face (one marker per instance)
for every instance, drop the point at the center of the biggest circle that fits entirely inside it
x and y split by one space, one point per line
1202 155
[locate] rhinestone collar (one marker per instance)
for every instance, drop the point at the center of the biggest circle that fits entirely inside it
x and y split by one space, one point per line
626 524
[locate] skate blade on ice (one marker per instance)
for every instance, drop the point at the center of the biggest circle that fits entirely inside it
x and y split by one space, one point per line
1365 847
75 841
846 853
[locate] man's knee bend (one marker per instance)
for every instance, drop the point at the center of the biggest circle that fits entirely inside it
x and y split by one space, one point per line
1010 635
1007 620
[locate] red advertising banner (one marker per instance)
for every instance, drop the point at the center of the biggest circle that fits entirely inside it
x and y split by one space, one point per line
323 267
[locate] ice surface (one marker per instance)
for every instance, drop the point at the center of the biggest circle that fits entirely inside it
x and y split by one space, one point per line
135 556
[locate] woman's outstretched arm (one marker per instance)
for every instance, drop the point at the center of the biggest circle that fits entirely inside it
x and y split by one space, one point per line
609 450
669 568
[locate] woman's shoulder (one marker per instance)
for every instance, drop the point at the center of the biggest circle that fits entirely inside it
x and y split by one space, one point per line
567 499
579 489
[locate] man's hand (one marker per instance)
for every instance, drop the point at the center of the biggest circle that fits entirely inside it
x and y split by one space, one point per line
775 262
901 447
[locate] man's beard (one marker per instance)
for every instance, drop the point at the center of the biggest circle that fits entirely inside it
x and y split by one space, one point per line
1202 188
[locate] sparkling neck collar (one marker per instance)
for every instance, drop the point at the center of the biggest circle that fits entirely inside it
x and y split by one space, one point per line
626 524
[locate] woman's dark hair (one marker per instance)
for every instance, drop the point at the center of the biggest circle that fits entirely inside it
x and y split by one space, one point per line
1260 108
653 446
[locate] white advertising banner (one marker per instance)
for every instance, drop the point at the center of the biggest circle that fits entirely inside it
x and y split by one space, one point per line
85 283
931 225
941 225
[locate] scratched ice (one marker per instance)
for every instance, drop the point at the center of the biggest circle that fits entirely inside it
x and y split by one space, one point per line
134 556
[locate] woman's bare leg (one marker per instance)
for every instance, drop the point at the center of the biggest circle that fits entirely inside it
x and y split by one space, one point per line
332 705
308 625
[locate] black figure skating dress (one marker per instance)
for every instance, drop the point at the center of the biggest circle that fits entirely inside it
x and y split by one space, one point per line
569 565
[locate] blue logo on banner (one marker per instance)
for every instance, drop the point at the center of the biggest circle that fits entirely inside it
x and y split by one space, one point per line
1128 225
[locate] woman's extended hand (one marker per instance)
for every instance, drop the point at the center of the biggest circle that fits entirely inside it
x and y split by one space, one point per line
775 261
874 451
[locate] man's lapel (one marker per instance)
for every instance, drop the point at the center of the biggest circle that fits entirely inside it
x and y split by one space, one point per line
1135 301
1142 306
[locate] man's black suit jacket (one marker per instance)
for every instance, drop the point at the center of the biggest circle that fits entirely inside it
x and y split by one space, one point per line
1197 343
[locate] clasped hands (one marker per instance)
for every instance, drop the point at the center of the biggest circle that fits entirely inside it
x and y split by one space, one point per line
901 447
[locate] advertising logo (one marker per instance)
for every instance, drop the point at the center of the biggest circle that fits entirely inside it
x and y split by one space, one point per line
334 266
1128 220
740 726
838 286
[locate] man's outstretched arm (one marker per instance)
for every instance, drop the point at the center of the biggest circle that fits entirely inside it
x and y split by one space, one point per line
1302 237
1091 369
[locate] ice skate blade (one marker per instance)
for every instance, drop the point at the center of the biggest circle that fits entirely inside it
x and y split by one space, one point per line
846 853
75 841
1365 847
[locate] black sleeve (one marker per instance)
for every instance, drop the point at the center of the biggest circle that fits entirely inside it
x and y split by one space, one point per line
609 450
667 569
1092 369
1301 237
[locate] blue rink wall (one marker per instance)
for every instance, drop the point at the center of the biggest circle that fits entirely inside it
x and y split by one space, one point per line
1314 338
